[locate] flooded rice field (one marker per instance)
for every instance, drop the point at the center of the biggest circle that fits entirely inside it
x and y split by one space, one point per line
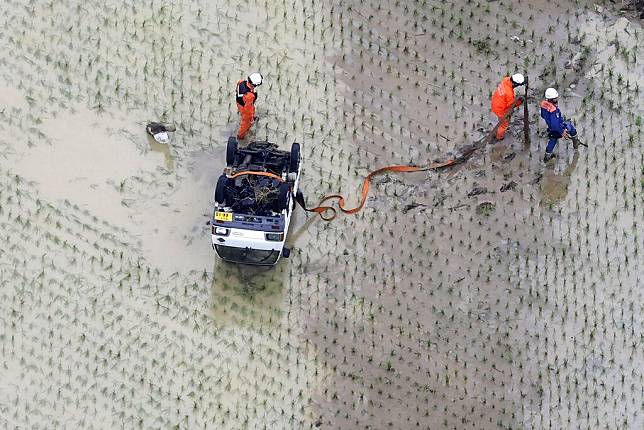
500 293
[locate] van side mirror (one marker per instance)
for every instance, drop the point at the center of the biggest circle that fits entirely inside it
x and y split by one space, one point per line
286 252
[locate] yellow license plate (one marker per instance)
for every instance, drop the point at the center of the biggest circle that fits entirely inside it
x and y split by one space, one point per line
223 216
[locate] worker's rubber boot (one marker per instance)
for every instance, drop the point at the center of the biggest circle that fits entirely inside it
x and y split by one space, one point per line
549 156
575 141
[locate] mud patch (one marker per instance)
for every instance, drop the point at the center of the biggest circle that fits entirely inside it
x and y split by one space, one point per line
554 186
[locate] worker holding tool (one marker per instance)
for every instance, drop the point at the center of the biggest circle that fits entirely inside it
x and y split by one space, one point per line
504 100
245 96
558 127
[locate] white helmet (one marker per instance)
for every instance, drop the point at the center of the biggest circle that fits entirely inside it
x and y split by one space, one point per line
551 93
255 79
518 78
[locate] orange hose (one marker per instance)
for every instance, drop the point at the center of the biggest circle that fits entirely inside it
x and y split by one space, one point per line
320 209
251 172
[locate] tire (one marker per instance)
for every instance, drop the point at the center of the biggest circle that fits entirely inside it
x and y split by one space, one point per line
295 158
281 202
231 151
220 190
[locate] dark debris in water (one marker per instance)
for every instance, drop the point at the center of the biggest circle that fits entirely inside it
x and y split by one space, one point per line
476 191
411 206
509 157
510 186
384 179
439 198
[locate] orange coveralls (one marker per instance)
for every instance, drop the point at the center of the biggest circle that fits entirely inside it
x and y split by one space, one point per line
245 98
502 101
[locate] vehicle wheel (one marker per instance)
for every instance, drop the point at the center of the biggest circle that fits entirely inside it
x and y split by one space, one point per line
295 157
231 151
220 190
281 202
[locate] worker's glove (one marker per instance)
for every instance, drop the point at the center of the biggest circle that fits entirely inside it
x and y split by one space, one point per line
518 102
565 134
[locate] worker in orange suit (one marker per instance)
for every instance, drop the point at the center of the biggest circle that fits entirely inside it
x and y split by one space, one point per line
245 97
504 99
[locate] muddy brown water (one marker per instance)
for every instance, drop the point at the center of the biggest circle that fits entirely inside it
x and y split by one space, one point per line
95 161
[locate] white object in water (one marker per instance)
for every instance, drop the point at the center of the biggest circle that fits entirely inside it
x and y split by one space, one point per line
159 131
162 137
